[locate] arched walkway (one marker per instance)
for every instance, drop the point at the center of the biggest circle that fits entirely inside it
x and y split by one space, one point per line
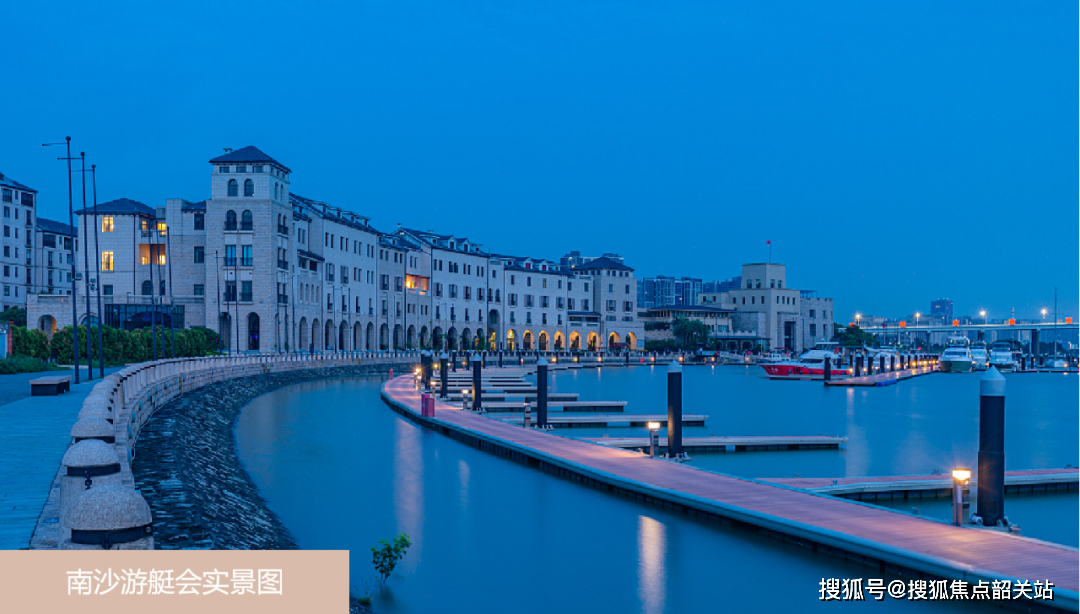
542 341
410 337
47 324
451 339
397 337
511 340
613 341
437 340
493 340
384 337
305 339
575 340
466 339
343 336
559 341
316 334
424 341
527 340
328 335
631 341
593 342
369 337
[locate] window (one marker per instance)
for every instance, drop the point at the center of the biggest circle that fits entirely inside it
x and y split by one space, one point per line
161 288
246 258
247 221
223 169
107 224
106 261
257 168
245 291
611 305
249 187
7 195
200 290
230 291
230 220
107 290
813 330
200 221
147 288
233 188
812 312
230 255
200 254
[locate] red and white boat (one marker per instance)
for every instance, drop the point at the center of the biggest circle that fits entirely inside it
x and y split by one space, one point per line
810 365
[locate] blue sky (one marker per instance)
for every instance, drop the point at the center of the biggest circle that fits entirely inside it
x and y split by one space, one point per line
894 153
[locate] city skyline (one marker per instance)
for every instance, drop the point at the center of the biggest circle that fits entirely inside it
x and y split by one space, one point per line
687 176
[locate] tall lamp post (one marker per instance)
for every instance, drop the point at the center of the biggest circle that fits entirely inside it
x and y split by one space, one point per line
86 276
97 272
983 314
71 223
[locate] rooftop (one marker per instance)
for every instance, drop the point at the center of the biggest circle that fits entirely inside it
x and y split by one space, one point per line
120 206
60 228
8 182
248 154
603 263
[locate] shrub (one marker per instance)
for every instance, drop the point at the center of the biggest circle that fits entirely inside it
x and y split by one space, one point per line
386 555
22 364
33 343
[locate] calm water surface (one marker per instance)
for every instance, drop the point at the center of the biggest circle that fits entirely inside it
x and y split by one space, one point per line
489 535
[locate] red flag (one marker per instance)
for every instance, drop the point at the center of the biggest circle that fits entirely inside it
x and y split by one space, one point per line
768 243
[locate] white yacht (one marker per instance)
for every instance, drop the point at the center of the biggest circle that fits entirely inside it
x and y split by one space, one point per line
957 357
980 358
1001 356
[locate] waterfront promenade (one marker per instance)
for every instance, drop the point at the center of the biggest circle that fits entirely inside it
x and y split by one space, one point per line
34 435
893 540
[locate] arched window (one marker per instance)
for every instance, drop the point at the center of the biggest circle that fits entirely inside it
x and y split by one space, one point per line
249 187
246 221
147 288
162 292
275 191
253 331
230 220
233 188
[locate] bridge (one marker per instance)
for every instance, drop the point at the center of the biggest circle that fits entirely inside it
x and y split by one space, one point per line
943 328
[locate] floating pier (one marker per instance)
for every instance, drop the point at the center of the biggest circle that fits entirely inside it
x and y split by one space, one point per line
566 406
728 444
890 541
935 485
882 379
603 420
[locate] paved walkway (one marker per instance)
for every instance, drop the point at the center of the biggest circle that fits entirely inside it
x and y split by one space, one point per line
34 434
934 547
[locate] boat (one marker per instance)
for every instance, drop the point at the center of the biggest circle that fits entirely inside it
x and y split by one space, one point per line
957 357
810 365
1001 356
980 357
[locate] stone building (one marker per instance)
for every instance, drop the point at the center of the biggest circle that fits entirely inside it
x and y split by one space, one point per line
271 270
16 258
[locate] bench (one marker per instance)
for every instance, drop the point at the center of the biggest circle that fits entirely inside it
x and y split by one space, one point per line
50 386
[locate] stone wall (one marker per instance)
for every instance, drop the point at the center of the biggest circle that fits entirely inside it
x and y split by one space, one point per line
132 396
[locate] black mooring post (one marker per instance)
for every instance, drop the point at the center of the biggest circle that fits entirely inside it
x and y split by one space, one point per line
425 368
858 365
500 358
828 369
453 360
477 386
881 359
1023 362
674 410
991 494
443 375
892 363
541 393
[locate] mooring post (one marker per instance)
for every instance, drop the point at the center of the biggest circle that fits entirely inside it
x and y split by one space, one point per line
528 414
541 393
881 360
425 368
674 410
500 358
477 386
828 369
857 360
453 359
991 493
892 363
443 375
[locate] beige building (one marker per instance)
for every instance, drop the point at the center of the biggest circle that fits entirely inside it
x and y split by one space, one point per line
16 243
271 270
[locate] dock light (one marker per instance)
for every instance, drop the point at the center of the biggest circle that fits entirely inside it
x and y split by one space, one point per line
465 399
960 479
599 359
654 438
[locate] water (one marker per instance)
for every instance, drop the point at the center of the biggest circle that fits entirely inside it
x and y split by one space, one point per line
490 535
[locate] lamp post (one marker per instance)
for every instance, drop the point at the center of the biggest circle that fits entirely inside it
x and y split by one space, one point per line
960 479
654 438
983 314
1044 315
71 223
97 269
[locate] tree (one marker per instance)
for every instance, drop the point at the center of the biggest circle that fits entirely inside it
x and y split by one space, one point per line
386 555
853 336
15 315
690 332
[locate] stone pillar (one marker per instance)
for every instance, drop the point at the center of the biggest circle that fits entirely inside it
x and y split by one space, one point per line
93 427
109 517
87 464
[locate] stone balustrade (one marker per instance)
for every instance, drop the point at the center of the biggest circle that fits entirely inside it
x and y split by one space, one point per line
119 406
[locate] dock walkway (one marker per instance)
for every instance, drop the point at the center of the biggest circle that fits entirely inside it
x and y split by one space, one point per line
887 378
892 539
931 485
722 443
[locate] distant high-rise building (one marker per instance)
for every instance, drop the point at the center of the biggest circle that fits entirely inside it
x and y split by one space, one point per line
663 291
575 259
942 308
722 286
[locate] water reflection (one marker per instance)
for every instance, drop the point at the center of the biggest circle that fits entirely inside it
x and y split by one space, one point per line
408 487
652 574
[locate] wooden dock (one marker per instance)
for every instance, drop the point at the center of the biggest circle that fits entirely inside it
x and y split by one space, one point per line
557 406
564 420
882 379
728 444
895 541
885 488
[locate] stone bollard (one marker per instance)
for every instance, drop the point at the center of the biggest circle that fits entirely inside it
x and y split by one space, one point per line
541 394
93 427
109 517
95 410
857 360
87 464
478 391
881 360
892 363
991 489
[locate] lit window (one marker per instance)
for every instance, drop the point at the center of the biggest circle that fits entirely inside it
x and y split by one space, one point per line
107 223
106 261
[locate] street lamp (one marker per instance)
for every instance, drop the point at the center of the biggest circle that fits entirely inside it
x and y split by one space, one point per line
960 479
983 314
858 319
654 438
74 302
1044 315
